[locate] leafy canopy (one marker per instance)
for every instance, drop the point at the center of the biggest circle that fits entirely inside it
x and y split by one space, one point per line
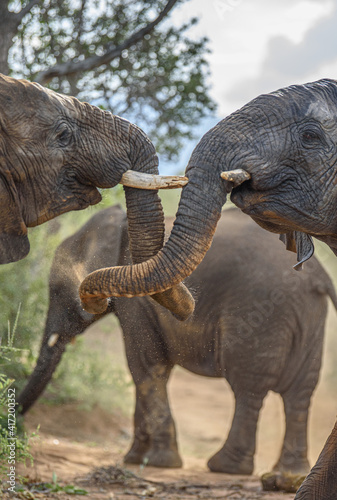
124 55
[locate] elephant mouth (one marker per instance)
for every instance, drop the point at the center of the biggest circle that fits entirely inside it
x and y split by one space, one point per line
248 199
261 206
66 199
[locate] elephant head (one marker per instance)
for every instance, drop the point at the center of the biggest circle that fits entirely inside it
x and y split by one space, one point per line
293 188
277 155
55 151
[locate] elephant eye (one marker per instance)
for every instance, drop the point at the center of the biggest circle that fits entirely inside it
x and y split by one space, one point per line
63 136
311 137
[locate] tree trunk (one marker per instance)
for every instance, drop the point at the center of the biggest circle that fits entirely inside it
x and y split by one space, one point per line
7 34
9 23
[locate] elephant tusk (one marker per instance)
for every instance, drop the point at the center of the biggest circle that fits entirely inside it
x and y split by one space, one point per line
147 181
53 339
237 176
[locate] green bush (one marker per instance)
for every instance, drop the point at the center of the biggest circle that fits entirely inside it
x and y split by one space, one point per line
14 446
24 285
88 375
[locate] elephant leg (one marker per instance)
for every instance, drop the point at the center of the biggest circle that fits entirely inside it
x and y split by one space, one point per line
296 401
293 457
237 454
155 440
141 439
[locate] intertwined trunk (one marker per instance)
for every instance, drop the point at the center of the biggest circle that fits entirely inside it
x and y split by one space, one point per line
198 213
132 149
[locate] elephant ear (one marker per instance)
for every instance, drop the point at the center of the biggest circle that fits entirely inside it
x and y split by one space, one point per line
14 244
300 243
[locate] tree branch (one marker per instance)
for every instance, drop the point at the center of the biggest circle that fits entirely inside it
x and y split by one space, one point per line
20 15
92 62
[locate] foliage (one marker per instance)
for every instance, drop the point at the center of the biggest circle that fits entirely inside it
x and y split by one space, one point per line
159 81
24 284
90 378
53 487
9 429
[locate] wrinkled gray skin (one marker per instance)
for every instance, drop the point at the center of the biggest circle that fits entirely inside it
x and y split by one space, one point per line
286 141
55 151
257 323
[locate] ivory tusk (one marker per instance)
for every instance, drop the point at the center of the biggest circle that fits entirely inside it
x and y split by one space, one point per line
237 176
148 181
53 339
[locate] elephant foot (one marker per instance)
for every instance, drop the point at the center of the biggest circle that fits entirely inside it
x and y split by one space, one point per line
163 458
293 466
133 458
140 453
282 481
137 452
230 463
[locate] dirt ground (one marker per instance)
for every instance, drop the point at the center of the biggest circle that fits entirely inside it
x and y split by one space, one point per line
73 442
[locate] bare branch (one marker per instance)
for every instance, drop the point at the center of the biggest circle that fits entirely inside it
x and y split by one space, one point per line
92 62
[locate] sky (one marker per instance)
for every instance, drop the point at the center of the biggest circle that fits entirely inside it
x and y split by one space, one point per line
258 46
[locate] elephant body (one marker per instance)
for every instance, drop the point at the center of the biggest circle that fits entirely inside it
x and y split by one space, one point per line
257 323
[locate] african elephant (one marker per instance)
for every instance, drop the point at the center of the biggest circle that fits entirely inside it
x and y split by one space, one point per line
55 151
277 155
257 323
285 142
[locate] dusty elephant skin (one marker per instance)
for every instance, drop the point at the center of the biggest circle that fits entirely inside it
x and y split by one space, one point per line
55 151
257 323
286 141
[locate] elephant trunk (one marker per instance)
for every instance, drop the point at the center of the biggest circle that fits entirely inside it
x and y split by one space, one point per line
132 150
123 146
49 357
198 213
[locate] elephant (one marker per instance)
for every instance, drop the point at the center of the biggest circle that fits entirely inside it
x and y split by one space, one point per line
276 156
55 151
257 323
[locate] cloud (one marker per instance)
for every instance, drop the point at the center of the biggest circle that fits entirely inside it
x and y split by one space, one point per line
319 46
287 62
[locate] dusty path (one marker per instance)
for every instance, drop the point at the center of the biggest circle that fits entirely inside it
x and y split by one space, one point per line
73 441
